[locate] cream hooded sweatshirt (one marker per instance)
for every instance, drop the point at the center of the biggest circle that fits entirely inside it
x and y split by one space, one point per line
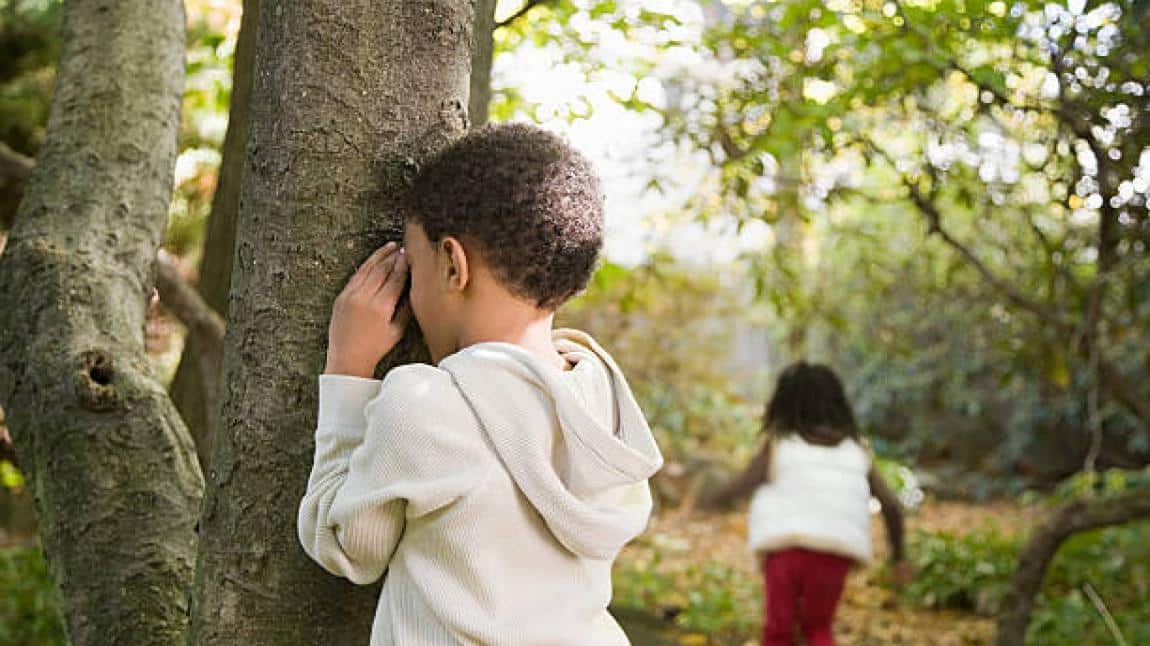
493 492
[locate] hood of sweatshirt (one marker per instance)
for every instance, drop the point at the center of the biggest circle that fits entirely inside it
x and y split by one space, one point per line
575 441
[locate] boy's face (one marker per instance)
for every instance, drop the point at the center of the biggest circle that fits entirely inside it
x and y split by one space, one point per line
435 305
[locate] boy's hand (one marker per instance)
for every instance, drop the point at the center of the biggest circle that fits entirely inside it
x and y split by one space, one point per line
367 319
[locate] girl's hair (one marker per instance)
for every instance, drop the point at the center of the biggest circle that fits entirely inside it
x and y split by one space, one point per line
809 400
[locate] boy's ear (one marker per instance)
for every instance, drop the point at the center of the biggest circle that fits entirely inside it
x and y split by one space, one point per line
457 270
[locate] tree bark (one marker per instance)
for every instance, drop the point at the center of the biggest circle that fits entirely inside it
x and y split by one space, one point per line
108 459
196 393
1079 516
482 56
348 97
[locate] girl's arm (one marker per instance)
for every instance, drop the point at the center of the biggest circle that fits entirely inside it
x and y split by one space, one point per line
742 486
892 515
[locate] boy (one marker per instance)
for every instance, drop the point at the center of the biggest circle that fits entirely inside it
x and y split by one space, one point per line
496 487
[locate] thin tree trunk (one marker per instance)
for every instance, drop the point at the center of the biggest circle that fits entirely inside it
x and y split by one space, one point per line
204 325
194 392
1076 517
349 97
109 461
482 55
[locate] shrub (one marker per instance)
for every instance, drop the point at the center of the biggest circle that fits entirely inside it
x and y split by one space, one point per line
29 613
707 598
972 572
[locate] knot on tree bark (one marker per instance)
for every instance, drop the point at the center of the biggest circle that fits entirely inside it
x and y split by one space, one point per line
454 115
94 380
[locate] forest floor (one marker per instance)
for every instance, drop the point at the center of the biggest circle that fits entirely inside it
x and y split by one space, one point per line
870 612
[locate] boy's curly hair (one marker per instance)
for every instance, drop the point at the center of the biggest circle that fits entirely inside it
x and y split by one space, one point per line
528 200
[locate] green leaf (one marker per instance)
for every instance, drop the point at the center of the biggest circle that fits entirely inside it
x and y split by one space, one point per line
604 8
10 476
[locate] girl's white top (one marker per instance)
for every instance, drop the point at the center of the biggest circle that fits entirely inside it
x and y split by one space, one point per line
492 492
817 498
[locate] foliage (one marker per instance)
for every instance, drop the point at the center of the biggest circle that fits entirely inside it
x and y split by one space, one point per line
29 613
961 571
954 189
939 117
972 571
30 41
10 476
1092 484
1116 563
584 35
672 328
213 28
902 481
708 597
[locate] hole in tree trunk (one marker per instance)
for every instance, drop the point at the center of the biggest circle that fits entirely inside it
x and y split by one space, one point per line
101 374
93 381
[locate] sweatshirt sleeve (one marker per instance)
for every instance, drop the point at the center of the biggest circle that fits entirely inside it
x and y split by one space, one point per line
324 512
382 455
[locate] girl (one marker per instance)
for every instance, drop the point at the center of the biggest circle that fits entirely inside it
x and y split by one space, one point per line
809 517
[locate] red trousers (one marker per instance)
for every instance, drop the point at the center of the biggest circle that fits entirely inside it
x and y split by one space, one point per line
803 588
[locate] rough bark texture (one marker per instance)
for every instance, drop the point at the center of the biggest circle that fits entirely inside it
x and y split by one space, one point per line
1076 517
111 465
195 393
482 55
349 97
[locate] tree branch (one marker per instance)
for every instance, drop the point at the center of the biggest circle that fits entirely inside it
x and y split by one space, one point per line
926 206
1109 377
203 323
930 211
731 149
1080 516
185 302
522 11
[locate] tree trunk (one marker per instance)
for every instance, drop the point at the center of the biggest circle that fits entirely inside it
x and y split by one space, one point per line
109 461
1079 516
482 55
191 389
349 97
